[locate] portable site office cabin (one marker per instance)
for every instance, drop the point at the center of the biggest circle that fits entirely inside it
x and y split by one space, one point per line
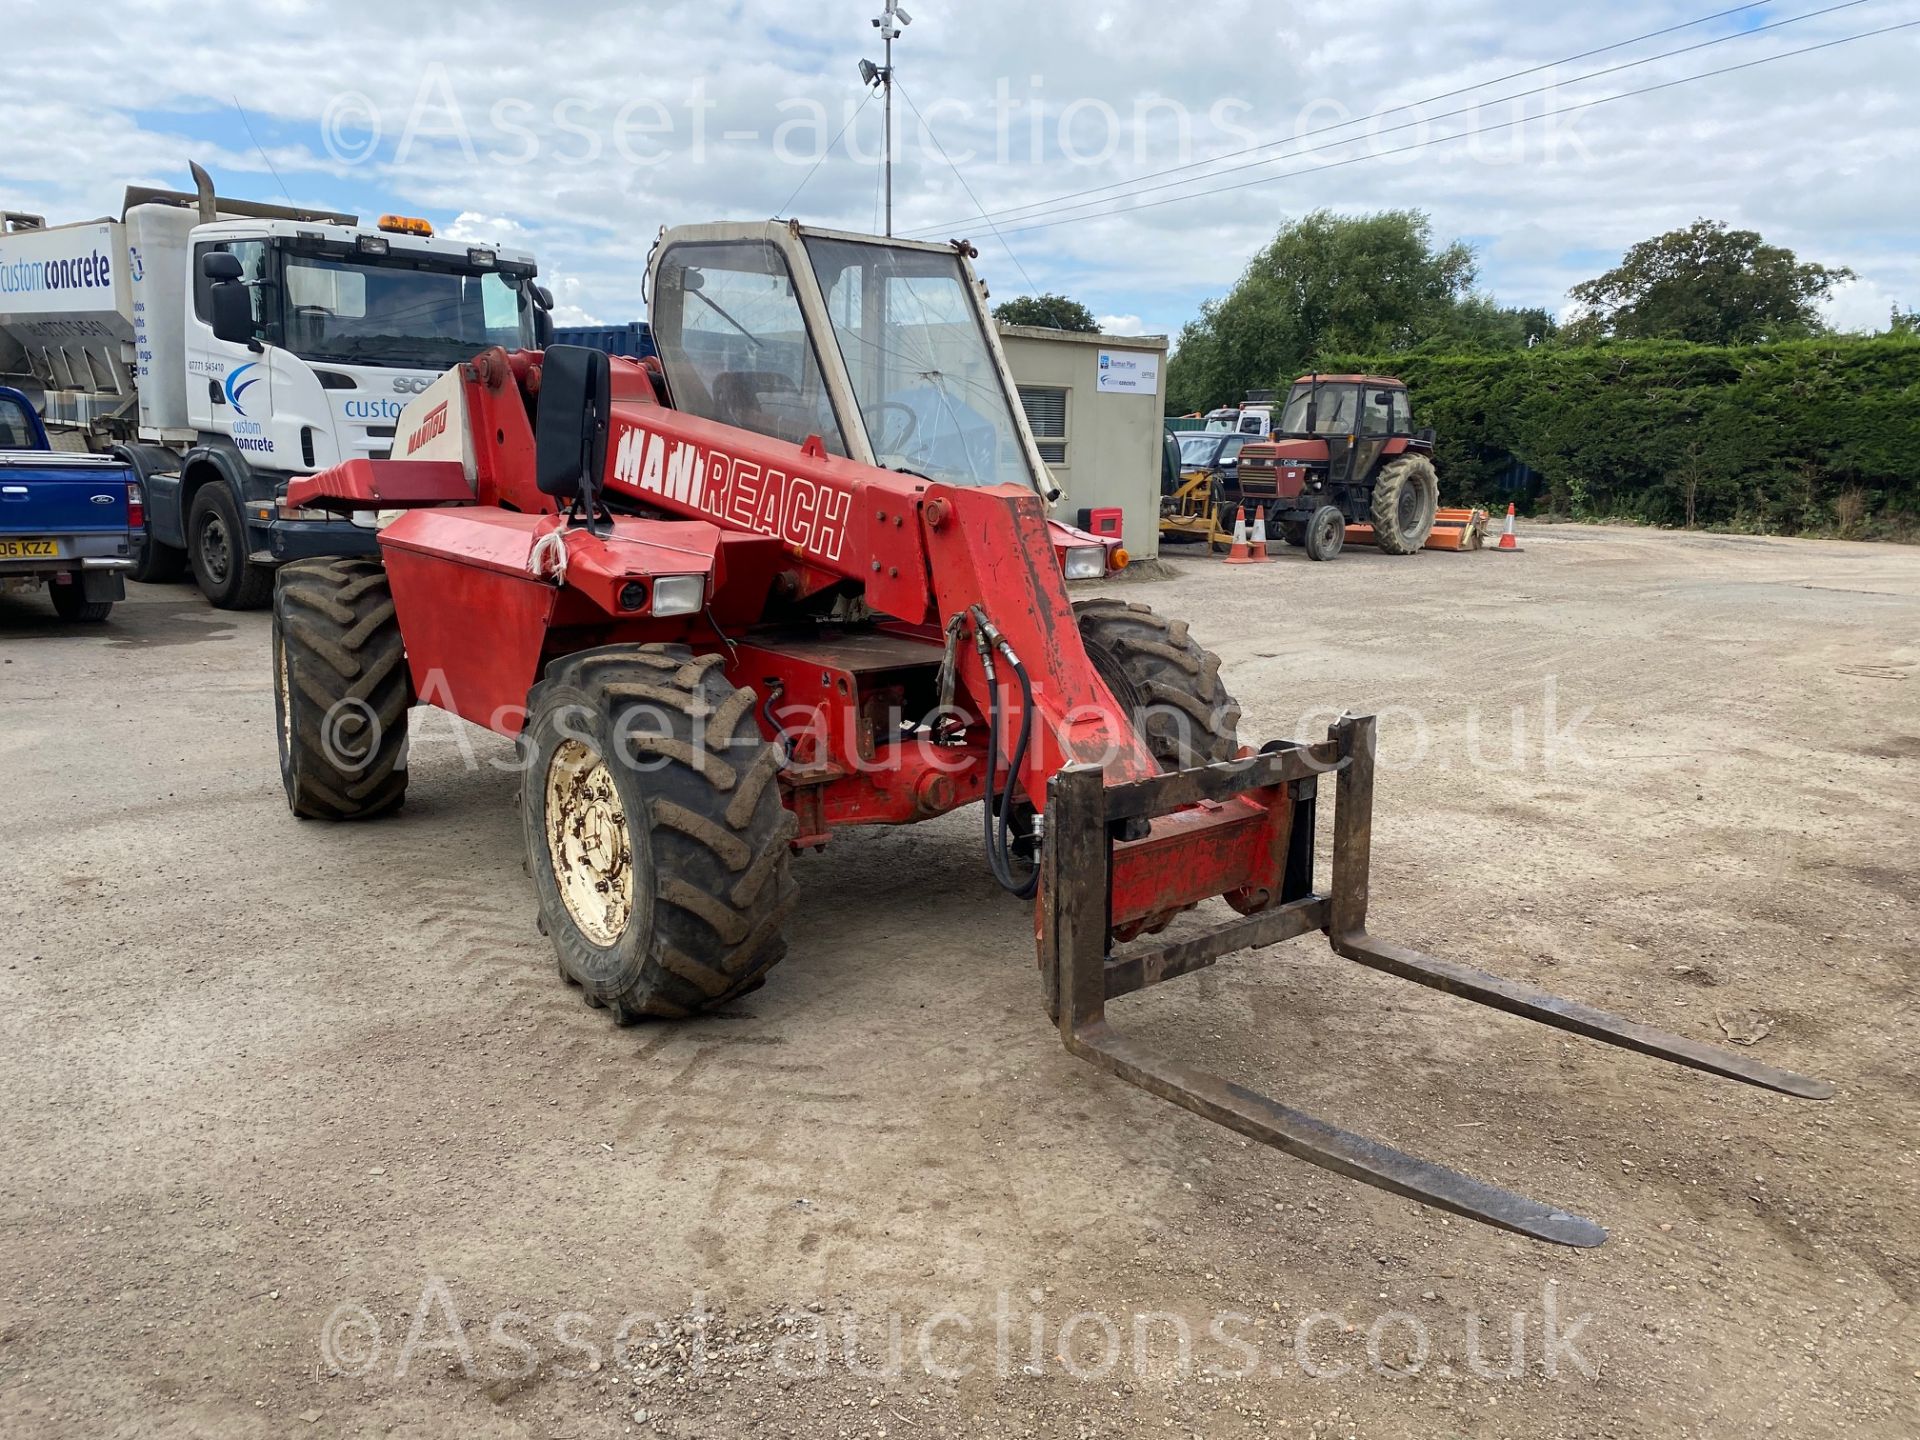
1096 405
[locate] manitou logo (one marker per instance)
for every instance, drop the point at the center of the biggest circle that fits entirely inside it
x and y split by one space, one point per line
431 428
808 514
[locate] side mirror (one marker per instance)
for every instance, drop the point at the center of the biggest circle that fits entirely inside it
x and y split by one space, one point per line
543 297
232 310
220 265
570 437
1383 397
543 329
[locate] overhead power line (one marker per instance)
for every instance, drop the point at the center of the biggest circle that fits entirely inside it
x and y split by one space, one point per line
1126 189
966 187
1465 134
1376 115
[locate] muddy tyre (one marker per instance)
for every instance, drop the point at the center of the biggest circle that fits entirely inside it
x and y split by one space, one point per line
1406 498
654 830
341 690
1167 682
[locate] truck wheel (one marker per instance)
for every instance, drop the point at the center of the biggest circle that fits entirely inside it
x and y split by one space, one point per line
1406 497
217 546
1326 533
155 563
70 603
654 830
1169 685
340 690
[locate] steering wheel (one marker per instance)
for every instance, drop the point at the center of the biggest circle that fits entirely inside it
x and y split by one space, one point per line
884 440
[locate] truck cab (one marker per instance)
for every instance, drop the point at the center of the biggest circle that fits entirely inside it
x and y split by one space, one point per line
224 347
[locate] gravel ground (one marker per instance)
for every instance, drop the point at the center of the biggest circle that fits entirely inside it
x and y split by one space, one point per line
303 1136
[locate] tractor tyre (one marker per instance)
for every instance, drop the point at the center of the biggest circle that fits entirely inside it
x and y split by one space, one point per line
654 828
1406 498
341 690
1326 533
1168 684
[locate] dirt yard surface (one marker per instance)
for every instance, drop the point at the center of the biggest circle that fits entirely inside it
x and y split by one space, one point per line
303 1135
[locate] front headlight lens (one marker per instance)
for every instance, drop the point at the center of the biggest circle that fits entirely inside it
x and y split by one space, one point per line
1086 562
679 594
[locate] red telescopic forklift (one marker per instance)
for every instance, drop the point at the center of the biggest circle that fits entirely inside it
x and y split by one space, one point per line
796 575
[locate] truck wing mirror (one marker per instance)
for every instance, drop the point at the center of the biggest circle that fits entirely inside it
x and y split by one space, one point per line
232 311
570 436
220 265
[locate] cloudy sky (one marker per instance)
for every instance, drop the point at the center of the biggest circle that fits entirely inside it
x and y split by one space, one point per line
579 130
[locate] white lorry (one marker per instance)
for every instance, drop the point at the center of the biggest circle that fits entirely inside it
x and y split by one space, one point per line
222 347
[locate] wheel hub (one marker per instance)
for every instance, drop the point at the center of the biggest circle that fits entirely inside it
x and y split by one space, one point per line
589 845
214 550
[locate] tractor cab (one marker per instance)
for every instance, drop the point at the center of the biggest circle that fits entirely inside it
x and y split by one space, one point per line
883 349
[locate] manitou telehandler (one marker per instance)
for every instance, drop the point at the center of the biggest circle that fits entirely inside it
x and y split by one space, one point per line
798 575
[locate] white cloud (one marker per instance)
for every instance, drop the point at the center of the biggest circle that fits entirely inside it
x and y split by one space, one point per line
581 154
1121 325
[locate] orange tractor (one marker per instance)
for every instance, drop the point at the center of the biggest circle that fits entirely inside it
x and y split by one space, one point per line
799 575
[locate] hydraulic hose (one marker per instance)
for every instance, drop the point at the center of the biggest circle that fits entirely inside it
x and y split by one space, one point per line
998 827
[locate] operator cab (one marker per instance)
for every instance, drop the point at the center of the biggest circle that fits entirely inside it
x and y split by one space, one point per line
1349 405
884 349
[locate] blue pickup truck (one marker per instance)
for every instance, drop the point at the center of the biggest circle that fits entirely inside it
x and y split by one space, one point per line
66 521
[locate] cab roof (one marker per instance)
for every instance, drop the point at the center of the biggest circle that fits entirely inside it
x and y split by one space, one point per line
1385 382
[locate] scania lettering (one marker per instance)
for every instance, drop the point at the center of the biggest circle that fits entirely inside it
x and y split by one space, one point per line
223 347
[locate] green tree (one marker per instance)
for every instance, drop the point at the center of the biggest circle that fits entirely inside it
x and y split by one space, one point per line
1046 312
1373 283
1709 285
1905 323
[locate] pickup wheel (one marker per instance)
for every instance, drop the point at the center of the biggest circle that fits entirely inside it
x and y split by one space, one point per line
217 547
1169 685
155 563
340 690
655 833
70 603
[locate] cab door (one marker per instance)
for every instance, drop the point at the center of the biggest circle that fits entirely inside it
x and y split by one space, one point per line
228 389
1375 429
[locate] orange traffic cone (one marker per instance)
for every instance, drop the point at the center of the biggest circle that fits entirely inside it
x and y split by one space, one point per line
1258 542
1507 542
1242 551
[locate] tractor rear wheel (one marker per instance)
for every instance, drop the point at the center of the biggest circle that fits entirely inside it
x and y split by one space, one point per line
1406 498
654 830
1169 685
340 690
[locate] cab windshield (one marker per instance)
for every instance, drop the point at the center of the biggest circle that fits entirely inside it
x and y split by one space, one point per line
924 378
401 310
1333 407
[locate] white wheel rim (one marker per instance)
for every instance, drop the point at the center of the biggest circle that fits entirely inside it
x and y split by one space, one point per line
588 844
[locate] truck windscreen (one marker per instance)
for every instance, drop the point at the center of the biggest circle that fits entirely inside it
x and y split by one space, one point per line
399 311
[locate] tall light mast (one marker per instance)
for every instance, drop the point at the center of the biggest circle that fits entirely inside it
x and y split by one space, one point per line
889 23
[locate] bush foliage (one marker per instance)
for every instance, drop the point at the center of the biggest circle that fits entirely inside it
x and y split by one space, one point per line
1803 435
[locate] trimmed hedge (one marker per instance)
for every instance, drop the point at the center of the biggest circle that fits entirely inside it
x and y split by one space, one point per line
1804 435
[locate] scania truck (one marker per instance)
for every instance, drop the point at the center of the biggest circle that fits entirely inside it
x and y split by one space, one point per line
222 347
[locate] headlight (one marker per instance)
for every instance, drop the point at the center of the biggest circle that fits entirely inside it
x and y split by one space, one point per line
1086 562
679 594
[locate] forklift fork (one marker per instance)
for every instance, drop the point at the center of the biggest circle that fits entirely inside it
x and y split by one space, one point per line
1082 975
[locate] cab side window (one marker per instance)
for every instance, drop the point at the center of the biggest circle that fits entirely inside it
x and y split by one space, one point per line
252 255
